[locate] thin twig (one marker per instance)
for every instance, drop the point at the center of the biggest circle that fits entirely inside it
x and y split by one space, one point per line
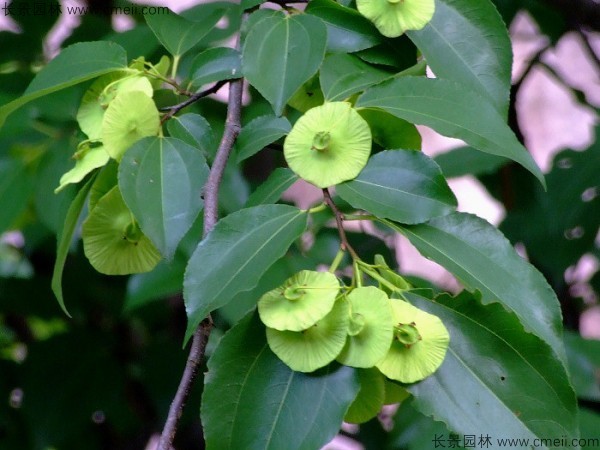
588 46
194 98
195 357
339 220
200 338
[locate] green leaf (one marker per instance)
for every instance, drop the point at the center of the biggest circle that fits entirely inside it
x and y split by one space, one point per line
493 364
467 41
390 131
468 161
291 47
235 254
402 185
568 215
164 280
584 363
270 191
253 401
259 133
215 64
347 30
64 241
16 187
161 180
75 64
452 110
483 259
178 34
343 75
193 129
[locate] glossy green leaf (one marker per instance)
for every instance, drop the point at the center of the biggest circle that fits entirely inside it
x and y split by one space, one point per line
584 363
483 259
235 254
347 30
272 189
493 364
253 401
259 133
194 130
452 110
16 187
64 241
343 75
178 34
161 180
468 161
75 64
467 41
291 47
215 64
402 185
390 131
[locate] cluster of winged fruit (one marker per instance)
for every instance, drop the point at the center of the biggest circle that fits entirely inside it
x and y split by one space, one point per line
312 320
116 111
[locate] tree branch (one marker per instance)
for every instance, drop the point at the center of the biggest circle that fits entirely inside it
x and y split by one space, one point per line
194 98
339 219
211 191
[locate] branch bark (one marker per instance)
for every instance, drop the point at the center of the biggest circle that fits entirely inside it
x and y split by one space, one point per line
211 191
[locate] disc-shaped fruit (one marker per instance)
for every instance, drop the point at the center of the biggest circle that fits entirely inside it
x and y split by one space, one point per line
112 240
106 180
370 398
97 98
370 328
300 302
87 158
311 349
393 17
418 347
329 144
131 116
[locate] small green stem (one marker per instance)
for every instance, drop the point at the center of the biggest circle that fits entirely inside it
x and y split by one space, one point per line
316 209
176 59
337 260
357 274
380 279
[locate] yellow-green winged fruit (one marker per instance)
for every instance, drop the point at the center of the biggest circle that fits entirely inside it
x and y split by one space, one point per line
419 345
370 398
393 17
112 240
131 116
329 144
89 156
315 347
300 302
370 328
99 95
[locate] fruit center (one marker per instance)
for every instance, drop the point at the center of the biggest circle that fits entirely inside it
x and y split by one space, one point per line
407 333
321 141
132 233
395 2
293 293
356 325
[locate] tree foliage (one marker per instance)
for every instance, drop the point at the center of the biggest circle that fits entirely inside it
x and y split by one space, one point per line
155 214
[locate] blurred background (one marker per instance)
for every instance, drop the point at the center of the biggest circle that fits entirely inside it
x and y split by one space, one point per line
104 379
